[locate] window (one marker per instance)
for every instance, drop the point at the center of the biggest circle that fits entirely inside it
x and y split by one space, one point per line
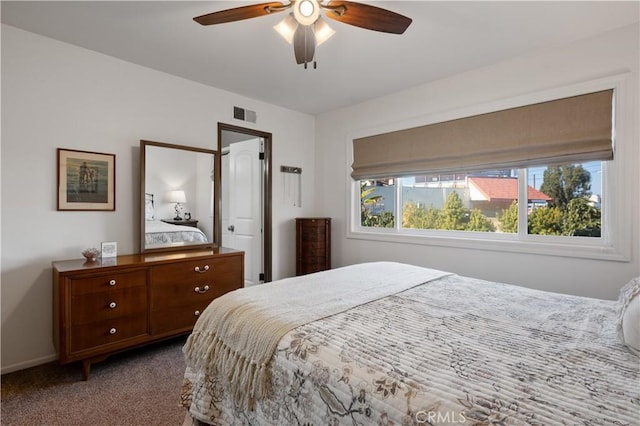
539 177
561 200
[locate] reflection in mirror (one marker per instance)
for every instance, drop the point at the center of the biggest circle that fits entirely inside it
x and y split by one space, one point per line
178 185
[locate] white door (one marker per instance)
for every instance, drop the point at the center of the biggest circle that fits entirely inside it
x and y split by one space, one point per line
242 228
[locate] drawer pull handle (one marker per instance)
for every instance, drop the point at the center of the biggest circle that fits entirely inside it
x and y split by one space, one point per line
203 270
112 305
201 290
196 313
112 282
112 331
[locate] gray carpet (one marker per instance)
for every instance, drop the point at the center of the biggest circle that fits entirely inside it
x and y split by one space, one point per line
137 387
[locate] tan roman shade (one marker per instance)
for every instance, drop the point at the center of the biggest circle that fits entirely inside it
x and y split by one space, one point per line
566 130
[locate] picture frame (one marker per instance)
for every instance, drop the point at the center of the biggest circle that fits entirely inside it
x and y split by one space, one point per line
86 180
109 249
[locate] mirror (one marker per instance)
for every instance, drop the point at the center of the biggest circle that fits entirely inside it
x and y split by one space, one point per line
179 202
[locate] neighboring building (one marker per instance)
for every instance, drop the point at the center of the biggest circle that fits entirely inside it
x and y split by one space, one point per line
493 195
489 194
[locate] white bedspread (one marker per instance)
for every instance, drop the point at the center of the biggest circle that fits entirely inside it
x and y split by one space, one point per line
236 336
453 351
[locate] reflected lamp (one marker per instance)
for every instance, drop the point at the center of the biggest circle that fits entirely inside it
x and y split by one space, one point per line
178 197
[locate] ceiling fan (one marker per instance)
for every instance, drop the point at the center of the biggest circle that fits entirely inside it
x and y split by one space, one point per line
306 29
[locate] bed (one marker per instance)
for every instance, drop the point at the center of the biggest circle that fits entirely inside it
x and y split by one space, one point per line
393 344
157 232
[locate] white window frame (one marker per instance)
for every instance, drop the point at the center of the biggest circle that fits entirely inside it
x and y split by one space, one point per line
615 242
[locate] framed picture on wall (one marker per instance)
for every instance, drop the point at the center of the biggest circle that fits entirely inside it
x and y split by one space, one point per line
86 180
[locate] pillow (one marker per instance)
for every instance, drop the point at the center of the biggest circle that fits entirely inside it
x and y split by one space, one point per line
629 315
148 209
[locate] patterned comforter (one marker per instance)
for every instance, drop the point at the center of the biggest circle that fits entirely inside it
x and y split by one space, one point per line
452 351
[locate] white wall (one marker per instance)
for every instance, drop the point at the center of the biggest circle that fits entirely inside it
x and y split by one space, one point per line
609 54
55 95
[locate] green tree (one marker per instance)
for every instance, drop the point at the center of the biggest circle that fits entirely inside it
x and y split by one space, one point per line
564 183
582 219
385 220
454 215
479 222
509 219
417 217
545 221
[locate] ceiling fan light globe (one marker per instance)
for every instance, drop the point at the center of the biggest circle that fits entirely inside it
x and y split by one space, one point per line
322 31
306 12
287 28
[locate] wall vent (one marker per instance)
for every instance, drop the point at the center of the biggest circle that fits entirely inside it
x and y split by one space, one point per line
244 114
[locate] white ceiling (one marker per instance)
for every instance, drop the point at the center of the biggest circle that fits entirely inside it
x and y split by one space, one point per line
250 58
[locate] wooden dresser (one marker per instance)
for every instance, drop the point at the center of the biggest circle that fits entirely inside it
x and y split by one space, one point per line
110 305
313 245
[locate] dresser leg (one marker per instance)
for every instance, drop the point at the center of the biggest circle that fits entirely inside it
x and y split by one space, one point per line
86 369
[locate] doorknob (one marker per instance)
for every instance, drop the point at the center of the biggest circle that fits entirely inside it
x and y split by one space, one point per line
231 228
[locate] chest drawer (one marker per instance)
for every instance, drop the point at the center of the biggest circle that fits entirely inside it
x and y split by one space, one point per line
108 282
92 307
314 232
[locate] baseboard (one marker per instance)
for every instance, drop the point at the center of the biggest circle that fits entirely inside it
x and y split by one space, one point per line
28 364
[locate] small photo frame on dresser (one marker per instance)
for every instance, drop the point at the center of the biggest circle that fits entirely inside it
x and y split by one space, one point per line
109 249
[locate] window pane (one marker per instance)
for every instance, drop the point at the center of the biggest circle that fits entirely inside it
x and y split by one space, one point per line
565 200
377 203
484 201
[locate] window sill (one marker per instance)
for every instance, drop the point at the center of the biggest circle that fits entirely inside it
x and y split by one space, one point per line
551 246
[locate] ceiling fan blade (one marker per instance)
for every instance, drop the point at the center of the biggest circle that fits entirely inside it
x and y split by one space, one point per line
367 16
240 13
304 44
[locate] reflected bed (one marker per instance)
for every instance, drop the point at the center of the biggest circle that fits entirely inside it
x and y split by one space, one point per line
388 343
159 232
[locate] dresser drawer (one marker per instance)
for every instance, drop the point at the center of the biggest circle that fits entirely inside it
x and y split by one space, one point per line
108 282
194 271
178 317
92 335
92 307
179 284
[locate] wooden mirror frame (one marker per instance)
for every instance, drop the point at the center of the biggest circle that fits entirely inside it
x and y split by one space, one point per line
215 198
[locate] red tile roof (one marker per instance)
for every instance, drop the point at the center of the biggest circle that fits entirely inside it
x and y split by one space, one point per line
500 188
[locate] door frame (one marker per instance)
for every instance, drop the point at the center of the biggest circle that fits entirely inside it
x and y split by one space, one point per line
266 189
